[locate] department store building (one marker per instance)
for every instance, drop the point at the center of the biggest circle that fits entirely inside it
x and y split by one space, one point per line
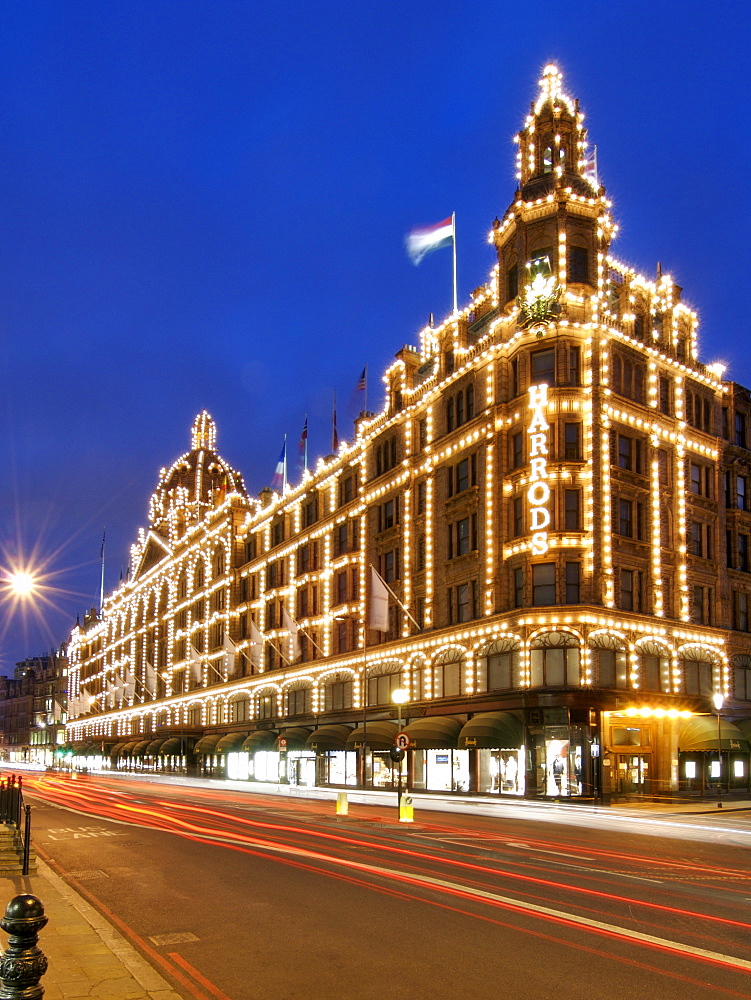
556 492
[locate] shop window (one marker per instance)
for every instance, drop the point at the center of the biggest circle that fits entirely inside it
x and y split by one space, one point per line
630 736
543 584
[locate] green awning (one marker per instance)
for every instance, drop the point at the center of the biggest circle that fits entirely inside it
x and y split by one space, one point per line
80 746
207 744
328 738
231 742
127 748
492 731
436 733
116 749
173 747
379 735
296 738
140 749
154 747
700 733
261 739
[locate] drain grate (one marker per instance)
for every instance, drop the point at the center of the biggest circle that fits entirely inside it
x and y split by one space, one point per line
88 874
181 938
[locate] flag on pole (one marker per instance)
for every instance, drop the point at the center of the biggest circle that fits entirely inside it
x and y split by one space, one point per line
290 626
230 648
279 480
425 239
334 431
359 399
302 447
256 646
589 169
196 667
378 607
149 682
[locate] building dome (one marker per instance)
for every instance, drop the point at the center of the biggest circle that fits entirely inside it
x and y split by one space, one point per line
196 483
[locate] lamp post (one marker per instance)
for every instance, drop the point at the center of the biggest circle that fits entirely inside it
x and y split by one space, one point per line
718 701
400 696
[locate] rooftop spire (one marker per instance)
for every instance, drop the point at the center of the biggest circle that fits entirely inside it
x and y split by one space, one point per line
203 434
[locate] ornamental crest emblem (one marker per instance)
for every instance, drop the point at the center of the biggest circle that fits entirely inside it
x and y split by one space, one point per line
538 303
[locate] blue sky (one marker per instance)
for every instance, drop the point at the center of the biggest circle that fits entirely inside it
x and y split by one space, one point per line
203 204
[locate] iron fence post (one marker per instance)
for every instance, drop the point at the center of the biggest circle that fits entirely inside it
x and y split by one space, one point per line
26 840
23 964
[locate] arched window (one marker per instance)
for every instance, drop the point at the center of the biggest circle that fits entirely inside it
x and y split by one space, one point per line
610 667
698 673
448 674
266 705
498 666
654 667
554 660
239 709
382 681
300 699
741 665
547 160
337 693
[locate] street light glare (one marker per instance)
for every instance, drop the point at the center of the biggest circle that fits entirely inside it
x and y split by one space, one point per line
22 583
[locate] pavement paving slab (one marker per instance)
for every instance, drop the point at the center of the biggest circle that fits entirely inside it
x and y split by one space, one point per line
87 957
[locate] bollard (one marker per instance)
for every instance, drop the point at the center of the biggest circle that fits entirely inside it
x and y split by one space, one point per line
23 964
342 804
406 809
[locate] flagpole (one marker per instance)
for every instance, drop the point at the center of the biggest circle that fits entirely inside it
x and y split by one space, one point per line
101 585
284 470
305 458
365 400
453 225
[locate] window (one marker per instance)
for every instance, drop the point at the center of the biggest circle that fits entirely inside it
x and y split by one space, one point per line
385 455
543 367
631 590
573 582
422 433
743 553
512 282
307 558
462 475
517 450
700 539
388 514
697 677
701 605
267 706
346 490
572 434
628 377
389 566
420 553
277 532
310 512
629 519
338 696
460 407
741 611
462 602
543 584
654 668
518 584
663 467
578 264
380 688
574 365
612 667
700 479
698 410
740 430
515 383
626 452
518 515
501 669
275 574
572 500
447 679
741 493
462 536
554 664
666 396
422 497
300 701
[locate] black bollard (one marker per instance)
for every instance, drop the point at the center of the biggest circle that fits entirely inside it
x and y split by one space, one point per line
23 964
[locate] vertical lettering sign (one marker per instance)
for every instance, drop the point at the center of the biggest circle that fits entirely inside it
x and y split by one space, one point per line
538 494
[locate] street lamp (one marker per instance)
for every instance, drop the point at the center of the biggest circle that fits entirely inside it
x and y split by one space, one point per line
399 696
718 701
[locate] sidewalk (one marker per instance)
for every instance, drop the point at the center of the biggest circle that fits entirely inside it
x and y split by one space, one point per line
87 957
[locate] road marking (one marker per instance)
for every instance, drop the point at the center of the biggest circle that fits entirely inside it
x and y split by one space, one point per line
604 871
492 897
540 850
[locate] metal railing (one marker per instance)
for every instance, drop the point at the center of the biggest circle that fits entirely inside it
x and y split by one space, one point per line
13 811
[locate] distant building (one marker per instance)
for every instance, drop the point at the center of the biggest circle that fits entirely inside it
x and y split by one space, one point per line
555 493
32 709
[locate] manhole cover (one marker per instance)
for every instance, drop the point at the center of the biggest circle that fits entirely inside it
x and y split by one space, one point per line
182 938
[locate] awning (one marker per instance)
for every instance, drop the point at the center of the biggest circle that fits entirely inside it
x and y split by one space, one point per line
296 738
116 749
80 746
492 731
207 744
700 733
154 747
261 739
141 749
126 749
378 735
328 738
436 733
173 747
745 727
230 742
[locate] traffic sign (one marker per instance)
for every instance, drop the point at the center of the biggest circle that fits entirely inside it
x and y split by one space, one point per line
403 741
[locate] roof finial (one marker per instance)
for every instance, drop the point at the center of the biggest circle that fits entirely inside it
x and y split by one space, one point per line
203 434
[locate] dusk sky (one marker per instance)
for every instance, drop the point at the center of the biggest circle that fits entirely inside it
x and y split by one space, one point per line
204 205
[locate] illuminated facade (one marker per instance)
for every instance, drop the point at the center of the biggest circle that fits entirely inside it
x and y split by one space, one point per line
556 493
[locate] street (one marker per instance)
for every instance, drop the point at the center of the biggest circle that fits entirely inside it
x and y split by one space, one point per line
256 895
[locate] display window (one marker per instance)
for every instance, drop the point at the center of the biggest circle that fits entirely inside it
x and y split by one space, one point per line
441 770
301 768
340 768
266 765
563 768
238 766
501 772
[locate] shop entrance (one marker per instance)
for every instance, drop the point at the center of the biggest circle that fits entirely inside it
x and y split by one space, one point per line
632 773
